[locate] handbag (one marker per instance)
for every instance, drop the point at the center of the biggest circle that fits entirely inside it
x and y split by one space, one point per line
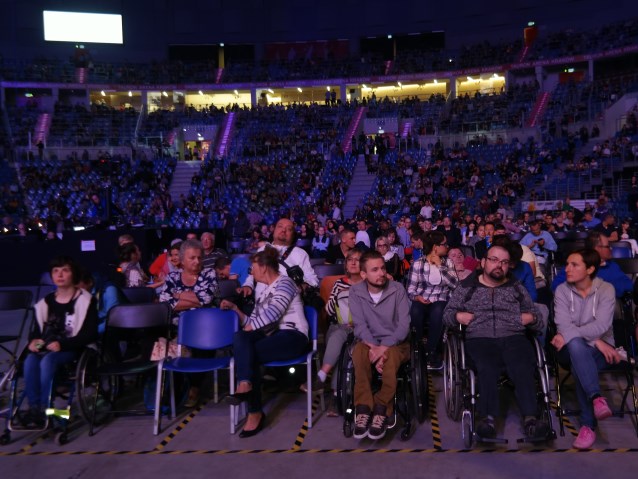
160 352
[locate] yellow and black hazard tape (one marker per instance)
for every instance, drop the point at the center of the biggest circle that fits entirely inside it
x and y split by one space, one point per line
434 417
36 441
566 421
220 452
304 427
180 427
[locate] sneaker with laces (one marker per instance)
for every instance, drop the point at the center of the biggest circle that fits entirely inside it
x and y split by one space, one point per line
379 423
585 439
601 409
486 429
361 422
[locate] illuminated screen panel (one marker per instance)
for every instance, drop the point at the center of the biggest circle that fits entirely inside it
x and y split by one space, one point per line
82 27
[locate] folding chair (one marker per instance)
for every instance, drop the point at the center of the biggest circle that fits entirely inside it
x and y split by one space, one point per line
312 318
140 295
206 329
152 320
11 303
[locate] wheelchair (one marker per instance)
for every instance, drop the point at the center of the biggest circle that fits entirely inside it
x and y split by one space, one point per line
460 389
71 380
410 400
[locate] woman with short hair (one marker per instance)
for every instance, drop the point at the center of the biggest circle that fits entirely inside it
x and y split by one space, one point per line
276 330
584 312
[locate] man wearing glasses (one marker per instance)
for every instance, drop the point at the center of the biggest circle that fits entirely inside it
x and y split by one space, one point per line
496 310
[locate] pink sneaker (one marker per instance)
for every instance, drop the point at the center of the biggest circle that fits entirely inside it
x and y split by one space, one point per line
586 438
601 409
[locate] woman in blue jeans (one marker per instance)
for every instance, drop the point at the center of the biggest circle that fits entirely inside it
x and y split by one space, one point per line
66 321
584 311
276 330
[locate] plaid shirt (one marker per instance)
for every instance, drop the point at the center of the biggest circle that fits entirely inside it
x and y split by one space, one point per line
419 283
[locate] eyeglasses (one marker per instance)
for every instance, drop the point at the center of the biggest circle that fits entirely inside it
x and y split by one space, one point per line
380 245
444 244
503 262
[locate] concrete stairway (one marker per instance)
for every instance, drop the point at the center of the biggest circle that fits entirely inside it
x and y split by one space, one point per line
182 178
360 185
539 109
346 143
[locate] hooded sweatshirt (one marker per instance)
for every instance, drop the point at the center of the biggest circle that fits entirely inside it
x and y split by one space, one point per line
497 311
589 318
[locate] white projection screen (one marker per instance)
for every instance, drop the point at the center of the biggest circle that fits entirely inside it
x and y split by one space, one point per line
82 27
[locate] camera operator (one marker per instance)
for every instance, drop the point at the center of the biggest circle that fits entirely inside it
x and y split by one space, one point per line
297 263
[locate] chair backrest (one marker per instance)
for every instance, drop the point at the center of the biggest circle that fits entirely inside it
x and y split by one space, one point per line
316 261
236 246
628 266
228 288
46 279
467 250
621 252
140 295
13 300
323 270
313 324
207 328
137 316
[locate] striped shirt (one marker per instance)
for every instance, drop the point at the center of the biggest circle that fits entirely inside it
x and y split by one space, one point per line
279 306
342 284
432 282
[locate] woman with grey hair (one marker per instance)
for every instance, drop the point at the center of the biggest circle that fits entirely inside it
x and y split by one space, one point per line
192 287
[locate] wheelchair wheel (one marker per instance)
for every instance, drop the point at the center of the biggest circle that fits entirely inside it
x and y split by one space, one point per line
86 385
466 429
452 390
419 383
61 438
5 438
345 382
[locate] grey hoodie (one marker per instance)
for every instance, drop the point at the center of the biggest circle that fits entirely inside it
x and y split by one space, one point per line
385 323
497 311
589 318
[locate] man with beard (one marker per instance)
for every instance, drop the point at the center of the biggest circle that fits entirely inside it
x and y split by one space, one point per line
496 310
380 311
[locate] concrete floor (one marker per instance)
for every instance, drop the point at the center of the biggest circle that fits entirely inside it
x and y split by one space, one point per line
198 444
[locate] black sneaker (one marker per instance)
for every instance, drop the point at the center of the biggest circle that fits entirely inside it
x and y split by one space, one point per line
35 419
536 429
361 422
486 429
379 423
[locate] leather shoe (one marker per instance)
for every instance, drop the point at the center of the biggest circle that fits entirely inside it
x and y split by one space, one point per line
253 432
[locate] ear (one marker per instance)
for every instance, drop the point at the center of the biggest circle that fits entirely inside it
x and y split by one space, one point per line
363 274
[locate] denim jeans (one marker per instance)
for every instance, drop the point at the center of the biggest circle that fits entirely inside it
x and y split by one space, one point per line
584 362
253 348
432 314
39 372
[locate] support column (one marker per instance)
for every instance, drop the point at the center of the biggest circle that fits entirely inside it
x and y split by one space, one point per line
590 65
343 91
453 88
253 97
145 100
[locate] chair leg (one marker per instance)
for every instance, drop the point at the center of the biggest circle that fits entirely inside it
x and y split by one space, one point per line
309 392
215 387
93 411
231 387
171 378
158 398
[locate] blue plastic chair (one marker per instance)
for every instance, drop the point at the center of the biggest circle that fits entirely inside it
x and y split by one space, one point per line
206 329
313 319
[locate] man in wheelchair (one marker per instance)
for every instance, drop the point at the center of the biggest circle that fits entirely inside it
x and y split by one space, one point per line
380 311
496 311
